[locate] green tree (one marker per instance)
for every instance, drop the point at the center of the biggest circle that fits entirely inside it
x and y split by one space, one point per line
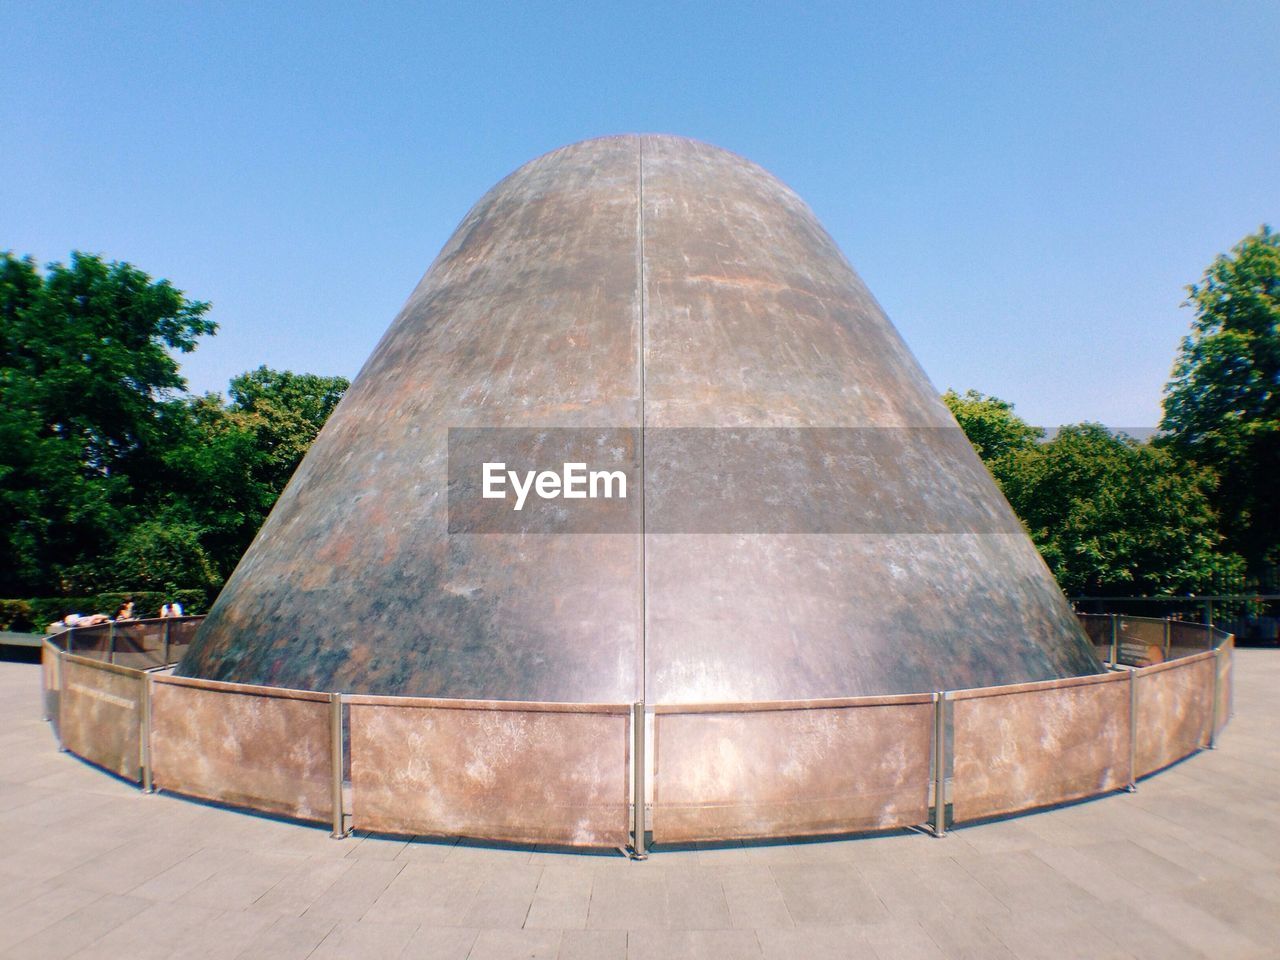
284 411
1222 405
227 463
208 478
85 368
112 477
164 554
998 434
1112 516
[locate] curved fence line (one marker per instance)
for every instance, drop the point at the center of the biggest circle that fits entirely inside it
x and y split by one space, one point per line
577 774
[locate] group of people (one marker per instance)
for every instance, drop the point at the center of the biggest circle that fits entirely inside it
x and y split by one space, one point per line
171 609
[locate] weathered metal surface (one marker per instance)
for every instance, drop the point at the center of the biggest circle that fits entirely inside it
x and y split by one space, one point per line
1186 637
256 747
91 642
1098 630
532 773
773 770
1175 711
139 643
182 633
1142 641
1226 658
51 678
753 318
102 714
659 284
528 318
1031 745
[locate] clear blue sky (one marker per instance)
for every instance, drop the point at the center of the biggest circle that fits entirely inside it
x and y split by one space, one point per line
1025 187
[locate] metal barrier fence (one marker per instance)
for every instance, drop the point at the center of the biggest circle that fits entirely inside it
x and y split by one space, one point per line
791 769
1250 617
260 747
498 770
577 775
140 644
1034 744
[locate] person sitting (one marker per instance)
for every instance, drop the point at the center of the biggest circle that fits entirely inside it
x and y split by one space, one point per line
126 609
173 609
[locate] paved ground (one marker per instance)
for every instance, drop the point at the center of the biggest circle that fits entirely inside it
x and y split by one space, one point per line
1187 867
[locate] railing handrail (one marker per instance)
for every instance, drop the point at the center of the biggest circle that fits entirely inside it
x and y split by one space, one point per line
1217 635
1175 598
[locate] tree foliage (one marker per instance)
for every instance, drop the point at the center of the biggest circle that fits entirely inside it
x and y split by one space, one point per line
998 434
1114 516
1110 515
111 477
164 556
228 462
283 412
1222 405
85 363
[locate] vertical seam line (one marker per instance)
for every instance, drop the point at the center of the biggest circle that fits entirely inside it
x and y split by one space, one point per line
644 559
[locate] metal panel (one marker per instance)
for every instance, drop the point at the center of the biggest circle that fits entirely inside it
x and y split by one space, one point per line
791 769
101 714
1175 709
1030 745
1098 629
1187 637
1142 641
498 770
182 632
91 642
139 643
258 747
530 317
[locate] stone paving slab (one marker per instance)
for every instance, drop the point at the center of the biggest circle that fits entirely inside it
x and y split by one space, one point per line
1188 867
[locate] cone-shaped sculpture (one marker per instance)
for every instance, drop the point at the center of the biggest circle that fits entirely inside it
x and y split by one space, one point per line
645 282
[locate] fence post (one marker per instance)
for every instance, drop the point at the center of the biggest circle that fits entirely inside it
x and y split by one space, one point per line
111 642
1115 640
1133 731
940 764
144 742
638 823
45 677
1231 682
62 699
1217 698
1168 630
164 657
336 758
